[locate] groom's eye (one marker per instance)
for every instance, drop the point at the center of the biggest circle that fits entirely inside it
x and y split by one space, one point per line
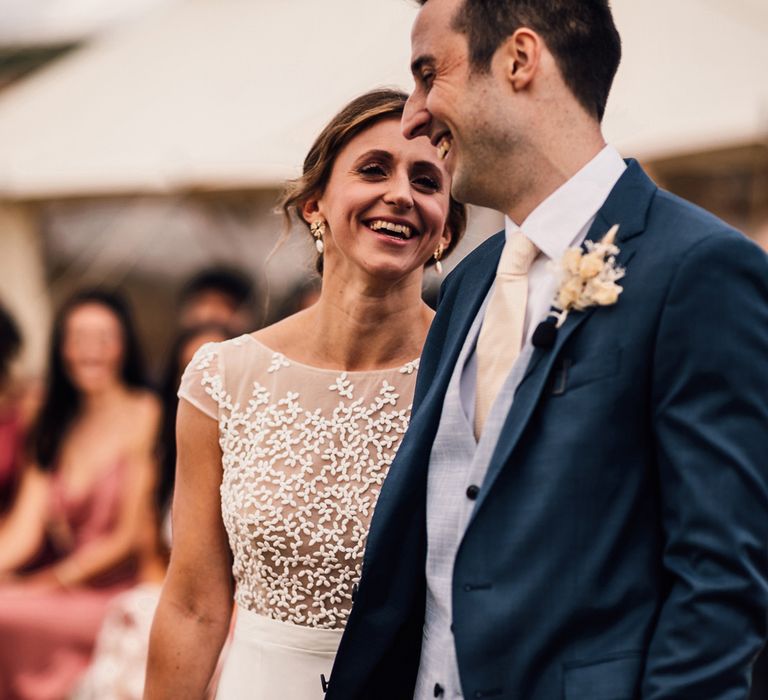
426 79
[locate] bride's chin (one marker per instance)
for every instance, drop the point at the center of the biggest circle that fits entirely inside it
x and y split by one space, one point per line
389 270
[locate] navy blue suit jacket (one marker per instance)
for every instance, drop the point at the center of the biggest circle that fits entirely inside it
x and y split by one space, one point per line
617 549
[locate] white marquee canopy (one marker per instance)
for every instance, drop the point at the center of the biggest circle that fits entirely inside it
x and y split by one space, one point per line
218 94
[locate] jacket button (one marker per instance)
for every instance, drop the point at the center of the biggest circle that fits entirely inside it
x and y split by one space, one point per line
438 690
472 492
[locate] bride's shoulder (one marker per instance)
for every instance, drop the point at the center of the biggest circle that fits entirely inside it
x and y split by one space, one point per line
288 337
258 353
285 336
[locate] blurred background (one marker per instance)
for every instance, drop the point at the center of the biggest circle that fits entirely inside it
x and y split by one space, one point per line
144 144
141 140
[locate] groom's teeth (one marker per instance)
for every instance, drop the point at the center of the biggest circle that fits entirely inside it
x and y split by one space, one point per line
402 229
443 147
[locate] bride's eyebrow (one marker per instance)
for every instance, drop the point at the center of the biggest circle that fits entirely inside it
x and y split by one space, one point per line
374 154
426 167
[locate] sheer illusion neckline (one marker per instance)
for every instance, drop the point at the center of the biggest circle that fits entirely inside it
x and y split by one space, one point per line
405 368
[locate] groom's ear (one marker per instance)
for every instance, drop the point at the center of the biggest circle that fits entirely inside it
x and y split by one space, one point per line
519 57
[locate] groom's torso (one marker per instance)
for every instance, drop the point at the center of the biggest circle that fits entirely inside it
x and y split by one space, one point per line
546 545
458 462
557 579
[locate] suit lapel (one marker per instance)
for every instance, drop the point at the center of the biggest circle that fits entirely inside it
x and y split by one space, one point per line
412 460
474 288
627 205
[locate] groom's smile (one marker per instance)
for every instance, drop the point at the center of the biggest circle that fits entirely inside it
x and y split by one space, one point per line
444 145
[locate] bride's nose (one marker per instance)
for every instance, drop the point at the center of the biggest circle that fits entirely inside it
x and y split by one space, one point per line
399 191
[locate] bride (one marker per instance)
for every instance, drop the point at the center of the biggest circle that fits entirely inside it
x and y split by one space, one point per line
285 435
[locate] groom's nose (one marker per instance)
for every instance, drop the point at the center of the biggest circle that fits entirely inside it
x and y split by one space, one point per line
416 119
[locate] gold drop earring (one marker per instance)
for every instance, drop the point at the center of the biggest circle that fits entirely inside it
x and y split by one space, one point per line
317 229
437 255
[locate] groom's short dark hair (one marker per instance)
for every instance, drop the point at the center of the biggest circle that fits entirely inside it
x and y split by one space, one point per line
580 34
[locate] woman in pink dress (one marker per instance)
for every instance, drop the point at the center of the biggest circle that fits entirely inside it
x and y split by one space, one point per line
87 498
10 416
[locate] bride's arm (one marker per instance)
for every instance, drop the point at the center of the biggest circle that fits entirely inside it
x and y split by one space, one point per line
193 616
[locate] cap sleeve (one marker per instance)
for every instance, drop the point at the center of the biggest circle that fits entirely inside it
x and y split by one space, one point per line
202 381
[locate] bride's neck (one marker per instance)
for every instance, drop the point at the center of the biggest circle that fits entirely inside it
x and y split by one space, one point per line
359 326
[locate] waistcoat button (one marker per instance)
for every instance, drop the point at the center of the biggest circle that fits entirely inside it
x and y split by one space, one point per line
472 492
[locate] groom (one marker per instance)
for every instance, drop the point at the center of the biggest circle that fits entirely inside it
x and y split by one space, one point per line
579 510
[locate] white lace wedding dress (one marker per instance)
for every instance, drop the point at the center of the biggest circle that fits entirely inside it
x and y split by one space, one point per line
305 451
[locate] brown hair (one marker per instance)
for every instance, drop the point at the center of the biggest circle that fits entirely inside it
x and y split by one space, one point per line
580 34
357 116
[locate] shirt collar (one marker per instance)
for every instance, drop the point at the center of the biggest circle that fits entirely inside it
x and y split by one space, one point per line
556 223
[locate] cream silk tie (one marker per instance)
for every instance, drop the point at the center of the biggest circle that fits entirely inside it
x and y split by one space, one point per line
501 335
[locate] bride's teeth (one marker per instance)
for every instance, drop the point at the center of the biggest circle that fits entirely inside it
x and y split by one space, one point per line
402 229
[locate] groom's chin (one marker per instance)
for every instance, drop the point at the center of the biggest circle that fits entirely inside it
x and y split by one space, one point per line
468 188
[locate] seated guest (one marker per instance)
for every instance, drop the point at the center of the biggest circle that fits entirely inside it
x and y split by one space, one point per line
87 496
187 342
119 661
10 420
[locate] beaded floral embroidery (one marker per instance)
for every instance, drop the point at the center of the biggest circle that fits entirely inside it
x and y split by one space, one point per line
300 483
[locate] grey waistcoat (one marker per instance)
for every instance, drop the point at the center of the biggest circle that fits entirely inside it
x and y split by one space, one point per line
457 467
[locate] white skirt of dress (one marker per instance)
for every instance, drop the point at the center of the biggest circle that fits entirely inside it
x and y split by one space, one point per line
273 660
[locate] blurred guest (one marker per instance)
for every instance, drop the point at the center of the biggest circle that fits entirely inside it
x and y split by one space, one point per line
119 662
301 296
10 420
88 494
183 349
222 295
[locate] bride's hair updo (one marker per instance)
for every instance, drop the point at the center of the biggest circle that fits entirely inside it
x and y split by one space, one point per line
360 114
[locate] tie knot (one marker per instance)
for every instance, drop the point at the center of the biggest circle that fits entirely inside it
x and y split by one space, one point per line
518 255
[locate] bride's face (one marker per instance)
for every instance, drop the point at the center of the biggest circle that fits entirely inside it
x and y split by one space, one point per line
385 204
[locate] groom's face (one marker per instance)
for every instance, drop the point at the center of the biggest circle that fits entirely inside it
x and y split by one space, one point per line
457 108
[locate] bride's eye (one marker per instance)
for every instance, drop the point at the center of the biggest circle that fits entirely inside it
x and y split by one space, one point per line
428 183
372 170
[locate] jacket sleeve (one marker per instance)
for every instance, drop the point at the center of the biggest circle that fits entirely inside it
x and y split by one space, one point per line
710 419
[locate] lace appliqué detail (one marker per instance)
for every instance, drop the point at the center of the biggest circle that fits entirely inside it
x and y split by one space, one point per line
299 487
278 360
343 386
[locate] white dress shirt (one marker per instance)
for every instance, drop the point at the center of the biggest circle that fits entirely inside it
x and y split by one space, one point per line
560 222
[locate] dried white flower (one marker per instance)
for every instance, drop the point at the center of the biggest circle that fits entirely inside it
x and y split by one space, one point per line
589 276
